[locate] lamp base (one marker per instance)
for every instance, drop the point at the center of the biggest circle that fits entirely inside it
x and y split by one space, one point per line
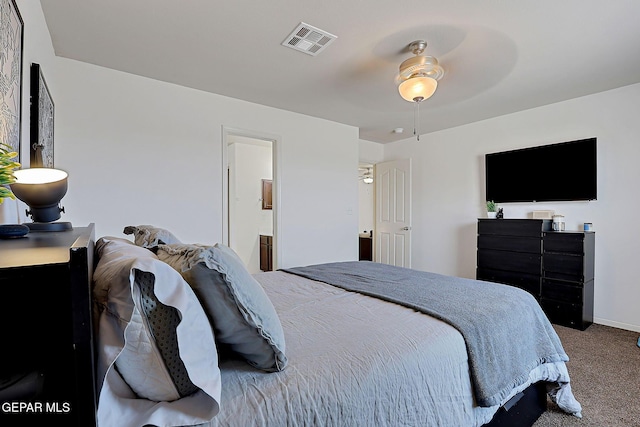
49 226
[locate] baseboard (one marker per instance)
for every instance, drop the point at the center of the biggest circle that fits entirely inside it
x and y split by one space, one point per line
614 324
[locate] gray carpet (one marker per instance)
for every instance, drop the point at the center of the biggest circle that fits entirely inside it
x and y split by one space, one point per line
604 367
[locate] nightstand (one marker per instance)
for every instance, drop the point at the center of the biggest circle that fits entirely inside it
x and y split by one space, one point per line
47 333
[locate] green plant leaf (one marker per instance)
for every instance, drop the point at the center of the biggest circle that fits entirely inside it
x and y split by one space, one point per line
7 166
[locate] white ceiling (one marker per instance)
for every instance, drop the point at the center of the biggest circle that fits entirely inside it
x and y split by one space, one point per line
499 56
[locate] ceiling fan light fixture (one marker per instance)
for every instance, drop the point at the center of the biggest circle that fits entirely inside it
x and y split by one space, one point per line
419 75
418 78
418 88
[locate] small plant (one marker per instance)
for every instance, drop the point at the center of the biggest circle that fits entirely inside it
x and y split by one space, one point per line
491 206
7 166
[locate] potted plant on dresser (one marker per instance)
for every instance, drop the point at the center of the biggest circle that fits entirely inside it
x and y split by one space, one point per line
7 166
491 209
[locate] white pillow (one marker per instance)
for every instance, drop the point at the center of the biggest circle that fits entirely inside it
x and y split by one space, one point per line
240 311
157 360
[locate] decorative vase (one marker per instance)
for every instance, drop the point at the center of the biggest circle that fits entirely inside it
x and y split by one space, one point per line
491 214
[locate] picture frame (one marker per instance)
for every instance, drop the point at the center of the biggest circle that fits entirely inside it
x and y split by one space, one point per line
12 42
42 120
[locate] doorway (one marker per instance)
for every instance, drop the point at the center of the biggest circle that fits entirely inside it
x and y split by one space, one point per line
250 198
366 211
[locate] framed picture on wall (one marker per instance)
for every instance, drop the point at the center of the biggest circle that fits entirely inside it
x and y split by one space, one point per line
11 41
42 116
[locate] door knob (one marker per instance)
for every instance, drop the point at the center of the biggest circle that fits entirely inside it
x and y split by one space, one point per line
406 228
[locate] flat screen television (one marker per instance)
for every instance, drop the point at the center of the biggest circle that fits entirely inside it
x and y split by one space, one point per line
555 172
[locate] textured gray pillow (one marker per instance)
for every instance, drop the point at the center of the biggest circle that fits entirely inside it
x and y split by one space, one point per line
149 236
240 311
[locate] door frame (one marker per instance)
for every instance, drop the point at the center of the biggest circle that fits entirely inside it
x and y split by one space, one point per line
276 148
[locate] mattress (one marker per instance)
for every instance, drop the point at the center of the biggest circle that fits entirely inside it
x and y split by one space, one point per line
356 360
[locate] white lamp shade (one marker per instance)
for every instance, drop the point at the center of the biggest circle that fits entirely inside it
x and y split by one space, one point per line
41 189
417 89
39 175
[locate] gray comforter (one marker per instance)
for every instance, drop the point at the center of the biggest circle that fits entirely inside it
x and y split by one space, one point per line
505 330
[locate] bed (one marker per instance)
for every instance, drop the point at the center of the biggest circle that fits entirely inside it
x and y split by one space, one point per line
342 353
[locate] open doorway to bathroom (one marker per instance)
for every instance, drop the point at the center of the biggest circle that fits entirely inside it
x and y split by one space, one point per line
251 204
366 209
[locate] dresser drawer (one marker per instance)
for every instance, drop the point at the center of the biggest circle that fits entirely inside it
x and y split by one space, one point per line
510 261
565 314
570 243
563 266
561 291
513 227
528 282
510 243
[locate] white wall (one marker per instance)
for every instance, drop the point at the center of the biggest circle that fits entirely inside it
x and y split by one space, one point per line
448 191
140 151
370 152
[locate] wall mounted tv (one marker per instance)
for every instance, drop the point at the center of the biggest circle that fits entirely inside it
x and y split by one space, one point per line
555 172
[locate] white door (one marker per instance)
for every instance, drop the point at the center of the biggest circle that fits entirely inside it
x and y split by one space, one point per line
393 213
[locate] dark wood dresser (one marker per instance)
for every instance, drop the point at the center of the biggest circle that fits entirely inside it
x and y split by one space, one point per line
568 264
47 361
555 267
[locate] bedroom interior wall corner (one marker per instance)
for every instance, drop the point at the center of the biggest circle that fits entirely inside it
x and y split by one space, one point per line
107 142
111 125
448 191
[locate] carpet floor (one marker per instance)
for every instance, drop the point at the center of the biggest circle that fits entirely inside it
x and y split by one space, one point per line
604 366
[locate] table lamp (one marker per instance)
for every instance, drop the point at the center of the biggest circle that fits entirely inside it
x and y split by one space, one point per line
42 189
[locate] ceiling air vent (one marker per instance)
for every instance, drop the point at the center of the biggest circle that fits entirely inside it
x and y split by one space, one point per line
308 39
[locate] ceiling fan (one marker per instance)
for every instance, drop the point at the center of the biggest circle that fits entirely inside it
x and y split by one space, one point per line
418 78
365 174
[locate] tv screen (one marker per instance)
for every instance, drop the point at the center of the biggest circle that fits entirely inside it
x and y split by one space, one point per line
556 172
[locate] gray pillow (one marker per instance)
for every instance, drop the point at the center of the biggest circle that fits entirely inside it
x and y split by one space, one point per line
149 236
238 308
